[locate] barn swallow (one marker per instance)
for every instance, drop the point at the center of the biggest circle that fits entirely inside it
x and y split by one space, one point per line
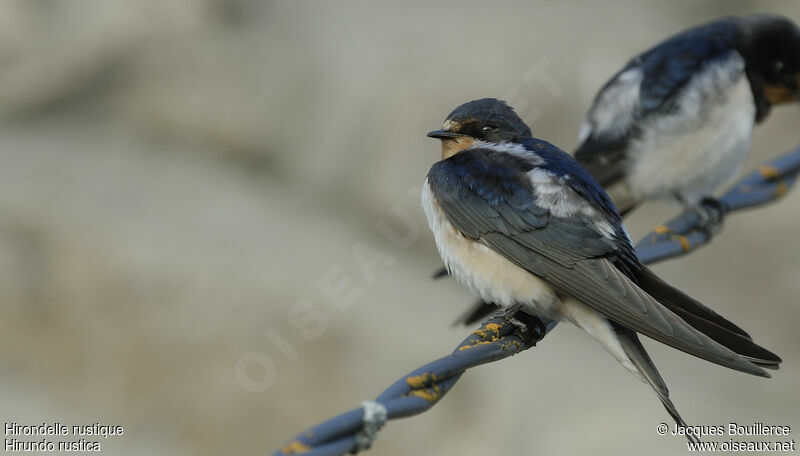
676 121
521 223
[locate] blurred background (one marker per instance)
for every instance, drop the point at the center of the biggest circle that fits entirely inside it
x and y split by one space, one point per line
189 190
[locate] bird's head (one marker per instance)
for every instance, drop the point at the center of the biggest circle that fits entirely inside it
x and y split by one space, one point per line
773 43
487 119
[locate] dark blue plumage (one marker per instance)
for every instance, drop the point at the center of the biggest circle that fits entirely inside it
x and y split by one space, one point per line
497 178
671 64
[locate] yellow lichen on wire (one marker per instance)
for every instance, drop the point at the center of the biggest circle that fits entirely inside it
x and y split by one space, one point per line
484 335
295 447
418 381
783 187
769 171
684 241
661 229
494 327
431 394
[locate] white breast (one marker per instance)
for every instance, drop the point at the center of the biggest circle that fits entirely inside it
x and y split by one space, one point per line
700 146
487 273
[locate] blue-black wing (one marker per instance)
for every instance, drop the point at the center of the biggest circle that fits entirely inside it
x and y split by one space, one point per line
488 196
669 66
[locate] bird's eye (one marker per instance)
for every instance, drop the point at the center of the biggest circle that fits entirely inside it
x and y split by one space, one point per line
486 128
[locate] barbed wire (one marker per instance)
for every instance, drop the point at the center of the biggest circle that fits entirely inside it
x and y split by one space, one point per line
509 332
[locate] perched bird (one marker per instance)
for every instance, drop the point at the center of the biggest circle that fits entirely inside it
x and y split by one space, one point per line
521 223
676 121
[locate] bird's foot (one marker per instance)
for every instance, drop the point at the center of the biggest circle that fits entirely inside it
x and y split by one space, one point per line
529 326
712 213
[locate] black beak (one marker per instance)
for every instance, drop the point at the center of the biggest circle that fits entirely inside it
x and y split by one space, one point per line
443 134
